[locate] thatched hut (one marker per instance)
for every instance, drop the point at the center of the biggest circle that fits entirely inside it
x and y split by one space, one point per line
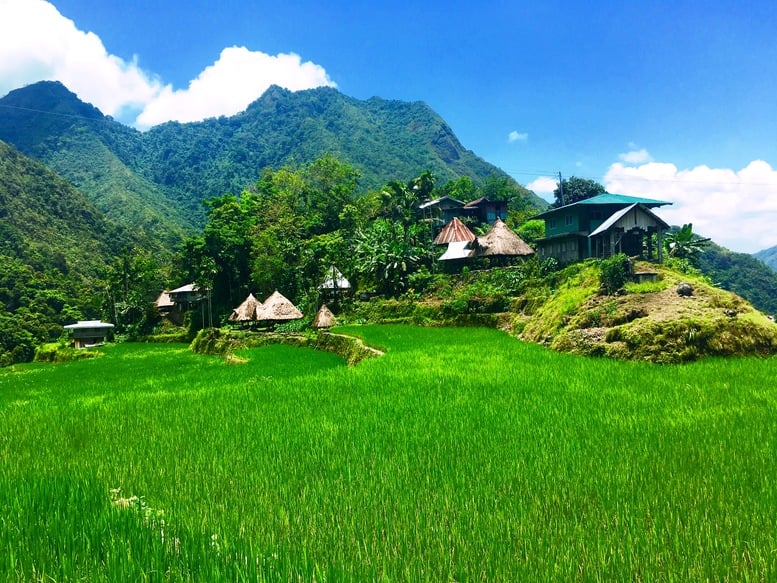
501 243
324 318
277 308
454 232
246 312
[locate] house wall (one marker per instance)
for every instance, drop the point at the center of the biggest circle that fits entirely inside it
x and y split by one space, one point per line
564 249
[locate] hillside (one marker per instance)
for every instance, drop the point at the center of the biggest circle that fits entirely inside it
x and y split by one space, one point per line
768 256
743 274
157 180
566 311
54 247
95 153
648 321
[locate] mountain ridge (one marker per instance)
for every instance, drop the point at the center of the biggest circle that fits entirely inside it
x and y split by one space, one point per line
167 172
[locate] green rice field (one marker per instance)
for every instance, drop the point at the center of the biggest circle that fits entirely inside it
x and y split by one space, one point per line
459 455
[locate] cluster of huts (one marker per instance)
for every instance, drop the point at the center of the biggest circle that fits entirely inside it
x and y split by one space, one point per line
500 243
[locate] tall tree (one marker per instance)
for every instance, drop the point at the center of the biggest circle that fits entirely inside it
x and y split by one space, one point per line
574 189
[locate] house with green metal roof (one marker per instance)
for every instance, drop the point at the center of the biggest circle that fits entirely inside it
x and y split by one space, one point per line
602 226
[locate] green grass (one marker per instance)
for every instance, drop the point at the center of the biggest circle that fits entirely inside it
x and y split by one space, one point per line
461 454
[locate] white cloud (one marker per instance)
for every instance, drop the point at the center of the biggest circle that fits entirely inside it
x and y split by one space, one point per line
227 86
515 136
38 43
636 156
736 208
544 187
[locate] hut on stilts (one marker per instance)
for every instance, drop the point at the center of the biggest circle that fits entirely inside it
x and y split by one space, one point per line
246 312
277 309
500 244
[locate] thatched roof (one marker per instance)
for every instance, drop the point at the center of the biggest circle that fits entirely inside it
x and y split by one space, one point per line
501 241
335 280
324 319
246 312
454 232
277 308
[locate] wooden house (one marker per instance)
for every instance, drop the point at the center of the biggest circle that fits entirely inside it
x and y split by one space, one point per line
185 296
335 284
485 211
441 210
602 226
86 333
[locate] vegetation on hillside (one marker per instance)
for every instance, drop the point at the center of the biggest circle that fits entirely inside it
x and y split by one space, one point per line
768 256
55 247
157 181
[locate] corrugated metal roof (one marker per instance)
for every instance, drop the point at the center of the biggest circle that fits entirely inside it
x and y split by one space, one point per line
614 218
335 280
618 215
607 198
455 230
88 324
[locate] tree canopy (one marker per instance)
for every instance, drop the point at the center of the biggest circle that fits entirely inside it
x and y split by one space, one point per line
574 189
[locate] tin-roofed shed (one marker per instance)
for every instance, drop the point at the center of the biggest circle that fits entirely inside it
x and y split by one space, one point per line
87 333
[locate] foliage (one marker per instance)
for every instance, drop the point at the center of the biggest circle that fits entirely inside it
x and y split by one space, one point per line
435 462
531 231
614 272
388 252
683 243
742 274
133 282
574 189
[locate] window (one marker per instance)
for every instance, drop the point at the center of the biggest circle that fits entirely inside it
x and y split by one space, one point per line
552 223
568 220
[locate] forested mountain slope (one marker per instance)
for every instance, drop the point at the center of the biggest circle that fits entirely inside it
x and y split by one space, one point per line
768 256
157 180
95 153
742 274
55 247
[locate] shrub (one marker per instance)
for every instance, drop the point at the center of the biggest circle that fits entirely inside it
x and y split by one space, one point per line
614 272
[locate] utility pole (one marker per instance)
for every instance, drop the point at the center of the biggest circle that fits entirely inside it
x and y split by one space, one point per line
561 189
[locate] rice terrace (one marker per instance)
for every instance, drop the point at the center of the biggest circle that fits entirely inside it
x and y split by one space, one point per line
460 454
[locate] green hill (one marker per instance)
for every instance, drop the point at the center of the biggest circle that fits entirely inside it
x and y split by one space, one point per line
743 274
156 181
95 153
768 256
55 247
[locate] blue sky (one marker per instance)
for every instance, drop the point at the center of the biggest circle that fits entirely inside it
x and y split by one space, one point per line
673 100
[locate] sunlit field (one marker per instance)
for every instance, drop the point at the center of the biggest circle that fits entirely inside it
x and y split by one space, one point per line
459 455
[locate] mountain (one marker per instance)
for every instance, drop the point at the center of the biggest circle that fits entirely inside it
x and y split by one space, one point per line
95 153
742 274
54 246
157 180
768 256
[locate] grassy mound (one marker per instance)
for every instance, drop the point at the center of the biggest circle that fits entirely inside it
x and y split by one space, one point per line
648 321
